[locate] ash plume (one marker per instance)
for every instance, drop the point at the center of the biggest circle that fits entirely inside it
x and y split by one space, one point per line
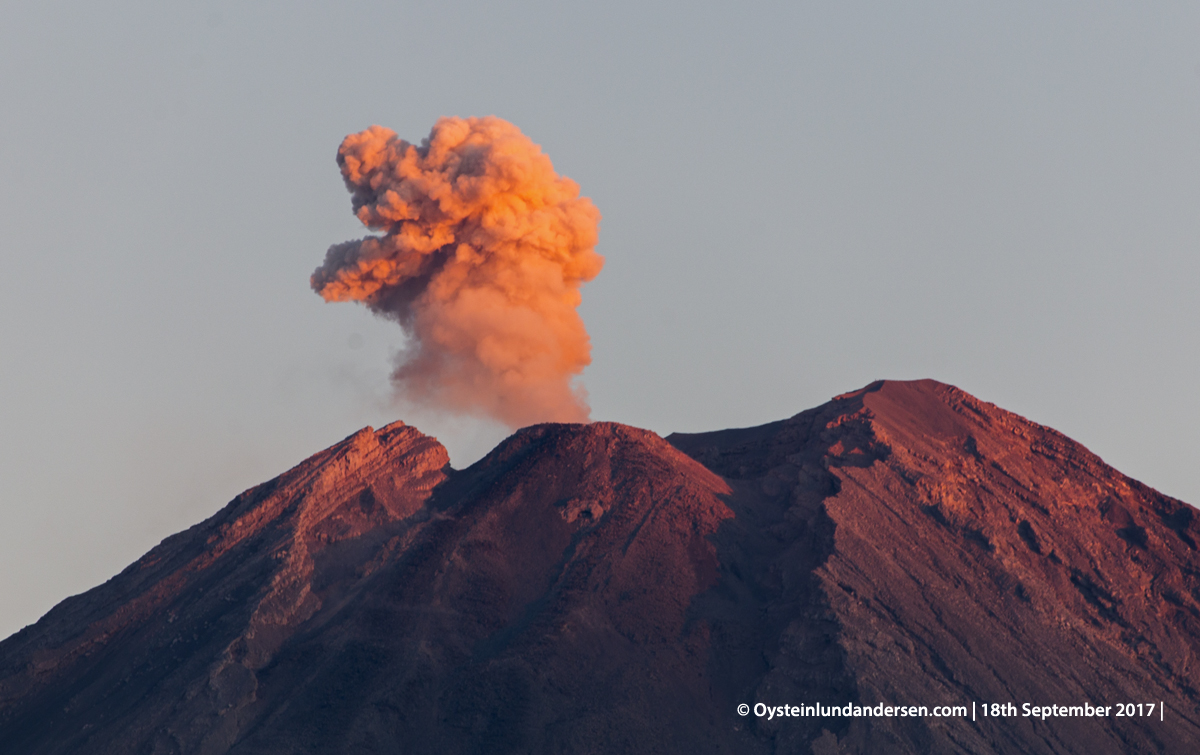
483 252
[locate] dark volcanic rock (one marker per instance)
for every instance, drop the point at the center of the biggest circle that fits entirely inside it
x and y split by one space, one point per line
594 588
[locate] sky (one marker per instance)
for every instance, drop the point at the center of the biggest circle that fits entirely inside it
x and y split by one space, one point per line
798 198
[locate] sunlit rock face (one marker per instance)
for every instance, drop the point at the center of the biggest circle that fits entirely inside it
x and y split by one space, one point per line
596 588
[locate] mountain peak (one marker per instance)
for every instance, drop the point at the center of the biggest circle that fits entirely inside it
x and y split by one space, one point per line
599 588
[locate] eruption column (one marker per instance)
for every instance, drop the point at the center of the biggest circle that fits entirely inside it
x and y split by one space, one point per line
483 253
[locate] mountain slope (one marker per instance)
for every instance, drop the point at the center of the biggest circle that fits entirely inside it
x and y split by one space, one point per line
594 588
163 657
974 556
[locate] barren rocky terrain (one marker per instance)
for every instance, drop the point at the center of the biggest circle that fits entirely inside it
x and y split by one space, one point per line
597 589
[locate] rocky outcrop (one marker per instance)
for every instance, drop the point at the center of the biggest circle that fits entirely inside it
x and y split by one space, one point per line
594 588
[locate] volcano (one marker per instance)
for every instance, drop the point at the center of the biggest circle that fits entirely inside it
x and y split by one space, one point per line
901 549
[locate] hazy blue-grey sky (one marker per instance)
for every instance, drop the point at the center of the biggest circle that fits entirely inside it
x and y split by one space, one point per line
798 198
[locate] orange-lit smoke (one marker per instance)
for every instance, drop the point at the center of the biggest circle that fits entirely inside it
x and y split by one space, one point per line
484 250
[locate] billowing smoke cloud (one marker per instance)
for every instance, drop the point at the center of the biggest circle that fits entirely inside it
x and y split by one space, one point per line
484 250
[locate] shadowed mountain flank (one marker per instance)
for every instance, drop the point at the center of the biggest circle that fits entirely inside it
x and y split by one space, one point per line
595 588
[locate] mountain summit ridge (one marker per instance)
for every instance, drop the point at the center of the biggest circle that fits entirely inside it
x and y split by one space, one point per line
597 588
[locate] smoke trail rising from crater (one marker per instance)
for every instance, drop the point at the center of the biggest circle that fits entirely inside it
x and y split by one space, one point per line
483 252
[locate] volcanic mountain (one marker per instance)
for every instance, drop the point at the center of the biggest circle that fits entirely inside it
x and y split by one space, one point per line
599 589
